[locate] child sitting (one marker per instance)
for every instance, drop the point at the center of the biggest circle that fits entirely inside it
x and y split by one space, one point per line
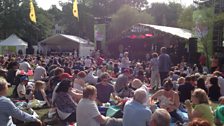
21 89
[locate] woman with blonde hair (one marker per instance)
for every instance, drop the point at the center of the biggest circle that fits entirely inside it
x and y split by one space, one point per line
39 92
202 108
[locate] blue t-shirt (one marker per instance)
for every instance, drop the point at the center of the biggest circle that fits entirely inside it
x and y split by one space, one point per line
136 114
104 92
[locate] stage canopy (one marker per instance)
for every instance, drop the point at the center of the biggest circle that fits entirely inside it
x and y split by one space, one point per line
180 32
141 38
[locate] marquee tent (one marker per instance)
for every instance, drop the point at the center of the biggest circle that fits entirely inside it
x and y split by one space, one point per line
12 45
66 43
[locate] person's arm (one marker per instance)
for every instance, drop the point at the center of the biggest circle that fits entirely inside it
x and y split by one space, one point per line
192 113
45 97
176 103
116 97
76 95
15 112
154 96
101 119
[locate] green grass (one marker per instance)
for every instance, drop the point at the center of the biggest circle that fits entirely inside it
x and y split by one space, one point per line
40 112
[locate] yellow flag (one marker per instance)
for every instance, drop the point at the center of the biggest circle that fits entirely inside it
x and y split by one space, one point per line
75 9
32 12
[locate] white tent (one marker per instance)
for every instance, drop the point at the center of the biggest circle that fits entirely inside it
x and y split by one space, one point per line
12 45
66 43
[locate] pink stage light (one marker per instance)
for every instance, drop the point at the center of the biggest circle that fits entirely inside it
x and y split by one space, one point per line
148 35
142 36
133 37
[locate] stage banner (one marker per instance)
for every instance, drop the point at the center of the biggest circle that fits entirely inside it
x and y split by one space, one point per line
100 33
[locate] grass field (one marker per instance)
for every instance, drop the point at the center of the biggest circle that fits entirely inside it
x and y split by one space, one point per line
40 112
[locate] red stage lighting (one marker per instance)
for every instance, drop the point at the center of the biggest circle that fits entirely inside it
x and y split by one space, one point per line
133 37
142 36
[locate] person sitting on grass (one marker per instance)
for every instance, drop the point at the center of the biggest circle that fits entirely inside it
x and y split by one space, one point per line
9 110
160 117
135 113
201 109
168 99
66 106
21 89
87 111
105 90
39 92
219 116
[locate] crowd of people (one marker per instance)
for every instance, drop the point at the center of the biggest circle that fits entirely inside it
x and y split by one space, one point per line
152 92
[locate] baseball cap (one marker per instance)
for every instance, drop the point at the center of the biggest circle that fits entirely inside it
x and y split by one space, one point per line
24 78
66 76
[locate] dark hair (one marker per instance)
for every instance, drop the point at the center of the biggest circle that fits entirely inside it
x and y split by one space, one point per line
201 84
163 50
64 85
188 78
214 81
168 83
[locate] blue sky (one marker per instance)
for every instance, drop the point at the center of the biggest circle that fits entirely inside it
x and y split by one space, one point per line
46 4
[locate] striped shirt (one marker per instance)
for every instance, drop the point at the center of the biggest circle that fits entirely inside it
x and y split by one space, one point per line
9 110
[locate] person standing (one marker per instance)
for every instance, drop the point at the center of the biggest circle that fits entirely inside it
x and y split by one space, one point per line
125 62
214 64
164 64
155 77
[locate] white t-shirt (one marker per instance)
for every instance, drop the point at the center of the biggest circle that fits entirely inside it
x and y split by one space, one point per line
21 88
86 112
88 62
39 73
125 62
221 84
24 66
77 87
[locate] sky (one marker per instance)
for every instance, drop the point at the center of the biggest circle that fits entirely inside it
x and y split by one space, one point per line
46 4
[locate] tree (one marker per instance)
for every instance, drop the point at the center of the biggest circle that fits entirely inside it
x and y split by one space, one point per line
125 17
203 19
186 18
15 19
165 14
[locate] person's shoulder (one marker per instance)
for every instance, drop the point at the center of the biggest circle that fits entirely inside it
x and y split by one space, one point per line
5 101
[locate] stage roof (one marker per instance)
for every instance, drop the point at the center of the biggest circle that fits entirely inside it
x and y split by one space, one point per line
182 33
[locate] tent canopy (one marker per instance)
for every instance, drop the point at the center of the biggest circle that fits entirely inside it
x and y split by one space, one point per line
13 40
182 33
62 39
64 43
